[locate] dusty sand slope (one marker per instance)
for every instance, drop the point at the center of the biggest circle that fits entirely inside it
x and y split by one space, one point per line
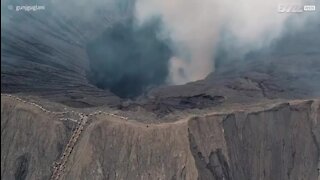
274 141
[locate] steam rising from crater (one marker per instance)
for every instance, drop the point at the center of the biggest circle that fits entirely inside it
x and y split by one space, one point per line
135 45
195 28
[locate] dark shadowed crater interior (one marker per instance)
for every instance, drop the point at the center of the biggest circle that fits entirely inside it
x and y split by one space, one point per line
129 60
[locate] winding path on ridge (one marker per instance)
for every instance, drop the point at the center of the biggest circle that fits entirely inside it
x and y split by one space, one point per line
59 164
83 119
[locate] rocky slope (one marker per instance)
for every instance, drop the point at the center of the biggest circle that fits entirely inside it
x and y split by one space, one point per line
256 118
270 141
44 53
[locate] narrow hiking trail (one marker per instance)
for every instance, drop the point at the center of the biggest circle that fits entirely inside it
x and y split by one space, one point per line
60 164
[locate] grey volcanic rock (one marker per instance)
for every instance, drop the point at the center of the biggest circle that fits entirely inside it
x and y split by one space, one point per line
270 141
255 117
288 69
43 53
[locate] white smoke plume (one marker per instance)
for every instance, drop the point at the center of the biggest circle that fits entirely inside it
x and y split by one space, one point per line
194 26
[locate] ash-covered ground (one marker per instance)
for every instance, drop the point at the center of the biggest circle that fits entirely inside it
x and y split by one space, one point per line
91 66
105 59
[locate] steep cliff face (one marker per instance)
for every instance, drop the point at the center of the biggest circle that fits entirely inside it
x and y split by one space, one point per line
30 141
273 141
239 123
47 53
44 52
